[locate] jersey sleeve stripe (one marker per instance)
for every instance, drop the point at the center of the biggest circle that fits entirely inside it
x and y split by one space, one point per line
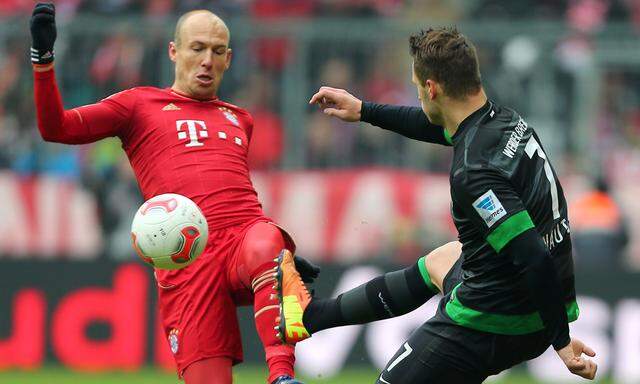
501 324
509 229
422 266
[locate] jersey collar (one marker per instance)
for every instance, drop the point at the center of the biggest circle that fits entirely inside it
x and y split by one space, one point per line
472 119
180 94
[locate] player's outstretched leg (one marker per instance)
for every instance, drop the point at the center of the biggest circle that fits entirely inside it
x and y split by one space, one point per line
257 266
390 295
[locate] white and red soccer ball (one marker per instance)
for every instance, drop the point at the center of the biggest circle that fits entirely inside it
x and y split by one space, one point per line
169 231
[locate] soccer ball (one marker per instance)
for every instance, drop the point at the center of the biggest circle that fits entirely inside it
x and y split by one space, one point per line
169 231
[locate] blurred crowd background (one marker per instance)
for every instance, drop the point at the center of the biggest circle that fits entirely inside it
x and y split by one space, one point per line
571 68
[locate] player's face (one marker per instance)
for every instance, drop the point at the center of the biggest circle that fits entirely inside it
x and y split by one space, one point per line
427 93
202 56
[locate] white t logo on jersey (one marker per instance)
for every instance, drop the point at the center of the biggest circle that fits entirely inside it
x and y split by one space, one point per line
192 129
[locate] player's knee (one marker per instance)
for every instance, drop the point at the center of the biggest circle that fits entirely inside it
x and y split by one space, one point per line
261 245
261 251
440 260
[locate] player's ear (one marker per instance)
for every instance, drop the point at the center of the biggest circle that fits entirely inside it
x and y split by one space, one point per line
432 89
172 51
228 62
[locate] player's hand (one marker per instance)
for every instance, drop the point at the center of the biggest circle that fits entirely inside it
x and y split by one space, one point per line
571 356
307 270
339 103
43 33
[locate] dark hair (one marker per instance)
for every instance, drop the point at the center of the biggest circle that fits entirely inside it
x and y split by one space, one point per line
446 56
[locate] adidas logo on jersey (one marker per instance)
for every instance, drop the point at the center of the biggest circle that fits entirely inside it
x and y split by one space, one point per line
171 107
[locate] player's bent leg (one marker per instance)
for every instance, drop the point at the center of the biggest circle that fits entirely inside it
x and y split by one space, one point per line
390 295
215 370
257 263
439 262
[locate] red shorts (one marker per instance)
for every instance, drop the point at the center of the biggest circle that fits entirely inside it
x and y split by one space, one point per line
198 303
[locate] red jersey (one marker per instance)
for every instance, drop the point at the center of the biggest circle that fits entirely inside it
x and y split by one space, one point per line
174 143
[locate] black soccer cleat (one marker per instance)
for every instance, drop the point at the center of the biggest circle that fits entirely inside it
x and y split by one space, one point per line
286 379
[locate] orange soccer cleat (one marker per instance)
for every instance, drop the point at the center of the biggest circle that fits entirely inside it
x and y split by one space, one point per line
294 299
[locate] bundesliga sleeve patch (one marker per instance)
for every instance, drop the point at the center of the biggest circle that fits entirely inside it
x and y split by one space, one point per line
489 208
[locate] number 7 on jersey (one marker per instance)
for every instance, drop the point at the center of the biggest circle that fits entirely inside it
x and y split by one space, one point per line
533 148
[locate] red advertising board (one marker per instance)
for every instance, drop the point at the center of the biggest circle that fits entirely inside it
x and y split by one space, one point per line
98 315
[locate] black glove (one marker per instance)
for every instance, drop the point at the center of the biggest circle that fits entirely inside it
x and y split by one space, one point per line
307 270
43 33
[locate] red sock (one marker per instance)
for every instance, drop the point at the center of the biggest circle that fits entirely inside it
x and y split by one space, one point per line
280 357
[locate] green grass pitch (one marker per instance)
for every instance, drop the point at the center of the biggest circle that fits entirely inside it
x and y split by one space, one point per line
242 375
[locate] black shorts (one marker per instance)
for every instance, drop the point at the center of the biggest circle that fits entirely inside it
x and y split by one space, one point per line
441 351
